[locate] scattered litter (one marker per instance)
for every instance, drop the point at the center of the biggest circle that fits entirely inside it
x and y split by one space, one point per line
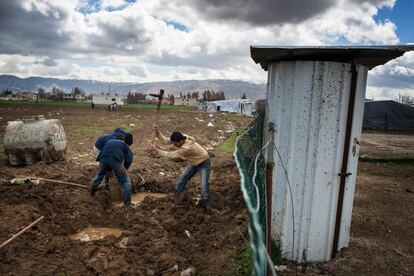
123 243
131 125
22 181
210 115
210 124
191 271
280 267
1 118
74 158
187 233
162 173
200 120
81 143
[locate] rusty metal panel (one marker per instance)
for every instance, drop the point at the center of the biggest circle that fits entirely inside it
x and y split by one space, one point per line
307 102
362 72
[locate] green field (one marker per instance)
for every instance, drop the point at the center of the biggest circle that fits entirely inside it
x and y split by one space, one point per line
100 106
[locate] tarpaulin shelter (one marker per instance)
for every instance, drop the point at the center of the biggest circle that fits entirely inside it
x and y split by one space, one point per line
388 115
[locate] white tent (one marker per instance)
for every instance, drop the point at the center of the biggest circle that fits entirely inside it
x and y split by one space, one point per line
241 106
108 99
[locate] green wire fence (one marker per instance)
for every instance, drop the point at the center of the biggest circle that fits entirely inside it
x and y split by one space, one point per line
251 164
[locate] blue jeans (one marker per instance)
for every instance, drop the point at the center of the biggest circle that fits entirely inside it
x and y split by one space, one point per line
204 169
120 173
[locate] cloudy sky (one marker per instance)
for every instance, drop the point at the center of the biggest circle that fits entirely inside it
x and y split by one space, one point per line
155 40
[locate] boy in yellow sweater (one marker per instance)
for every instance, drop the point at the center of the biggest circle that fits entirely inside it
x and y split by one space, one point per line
195 154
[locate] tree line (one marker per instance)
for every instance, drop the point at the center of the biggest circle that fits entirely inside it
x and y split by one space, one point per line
55 94
206 96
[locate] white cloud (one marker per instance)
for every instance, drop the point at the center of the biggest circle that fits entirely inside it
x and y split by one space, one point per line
143 41
106 4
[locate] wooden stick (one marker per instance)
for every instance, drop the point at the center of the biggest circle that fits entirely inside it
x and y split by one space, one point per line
64 182
15 236
59 181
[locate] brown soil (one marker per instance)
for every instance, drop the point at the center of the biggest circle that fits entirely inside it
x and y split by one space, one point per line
382 229
154 238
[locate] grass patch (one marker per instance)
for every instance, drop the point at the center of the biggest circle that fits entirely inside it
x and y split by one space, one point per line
100 106
46 103
243 264
153 106
387 160
228 144
275 252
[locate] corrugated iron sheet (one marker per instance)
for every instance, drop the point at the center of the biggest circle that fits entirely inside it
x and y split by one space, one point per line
307 101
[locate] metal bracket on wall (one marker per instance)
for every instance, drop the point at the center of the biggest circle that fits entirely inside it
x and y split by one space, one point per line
344 174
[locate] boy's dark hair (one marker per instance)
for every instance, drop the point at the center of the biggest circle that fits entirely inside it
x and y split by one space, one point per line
120 136
129 139
177 136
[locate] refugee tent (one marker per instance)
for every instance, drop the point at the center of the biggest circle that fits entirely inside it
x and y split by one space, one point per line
388 115
241 106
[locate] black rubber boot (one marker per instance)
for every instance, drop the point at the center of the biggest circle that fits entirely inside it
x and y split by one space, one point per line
203 204
93 192
178 198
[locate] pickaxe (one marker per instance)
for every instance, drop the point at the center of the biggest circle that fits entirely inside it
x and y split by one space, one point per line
159 97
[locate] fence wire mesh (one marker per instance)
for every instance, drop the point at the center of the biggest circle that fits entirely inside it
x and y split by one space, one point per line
251 164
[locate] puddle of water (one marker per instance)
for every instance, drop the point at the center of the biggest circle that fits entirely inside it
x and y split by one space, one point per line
95 233
137 198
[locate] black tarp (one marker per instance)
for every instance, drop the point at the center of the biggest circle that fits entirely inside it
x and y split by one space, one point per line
388 115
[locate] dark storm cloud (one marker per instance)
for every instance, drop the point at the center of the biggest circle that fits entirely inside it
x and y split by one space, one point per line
30 32
261 12
125 37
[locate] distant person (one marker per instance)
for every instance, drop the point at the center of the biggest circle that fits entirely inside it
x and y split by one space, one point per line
92 105
195 154
116 156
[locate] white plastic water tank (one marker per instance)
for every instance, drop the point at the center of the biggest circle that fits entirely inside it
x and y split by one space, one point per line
34 139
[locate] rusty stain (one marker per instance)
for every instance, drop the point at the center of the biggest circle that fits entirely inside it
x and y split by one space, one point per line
354 145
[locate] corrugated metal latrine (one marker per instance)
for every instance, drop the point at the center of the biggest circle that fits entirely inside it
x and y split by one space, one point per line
314 141
307 102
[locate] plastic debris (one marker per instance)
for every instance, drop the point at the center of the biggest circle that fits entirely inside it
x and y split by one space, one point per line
280 267
187 233
162 173
210 124
22 181
131 125
191 271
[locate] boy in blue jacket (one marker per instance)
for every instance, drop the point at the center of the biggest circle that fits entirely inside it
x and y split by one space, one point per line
116 156
101 141
119 134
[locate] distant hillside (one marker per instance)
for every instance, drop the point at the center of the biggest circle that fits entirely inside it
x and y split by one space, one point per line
231 88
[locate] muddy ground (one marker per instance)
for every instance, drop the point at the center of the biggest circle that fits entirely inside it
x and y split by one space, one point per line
382 229
154 239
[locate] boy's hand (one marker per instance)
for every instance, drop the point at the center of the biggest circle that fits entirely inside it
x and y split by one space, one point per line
156 130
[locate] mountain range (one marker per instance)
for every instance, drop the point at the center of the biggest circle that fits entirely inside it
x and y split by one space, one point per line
231 88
